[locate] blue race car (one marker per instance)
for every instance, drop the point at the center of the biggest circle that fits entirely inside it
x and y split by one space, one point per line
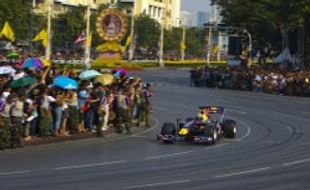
205 129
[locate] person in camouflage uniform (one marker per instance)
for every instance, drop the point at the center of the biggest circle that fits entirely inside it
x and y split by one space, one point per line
17 114
5 123
122 115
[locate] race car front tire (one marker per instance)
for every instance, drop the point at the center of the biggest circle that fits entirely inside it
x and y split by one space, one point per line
212 133
230 128
168 129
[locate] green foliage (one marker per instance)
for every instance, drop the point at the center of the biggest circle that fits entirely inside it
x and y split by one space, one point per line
68 26
147 31
18 14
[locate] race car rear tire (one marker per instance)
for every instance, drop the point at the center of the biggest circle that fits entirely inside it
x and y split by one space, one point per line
168 129
230 128
212 133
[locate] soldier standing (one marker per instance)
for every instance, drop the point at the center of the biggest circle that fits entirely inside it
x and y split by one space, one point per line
5 123
17 115
122 114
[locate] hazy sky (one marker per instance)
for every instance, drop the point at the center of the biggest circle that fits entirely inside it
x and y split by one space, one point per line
193 6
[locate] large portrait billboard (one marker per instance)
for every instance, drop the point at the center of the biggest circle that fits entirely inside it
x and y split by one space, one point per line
111 25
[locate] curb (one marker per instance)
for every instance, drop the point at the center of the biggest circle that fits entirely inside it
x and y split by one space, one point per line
36 141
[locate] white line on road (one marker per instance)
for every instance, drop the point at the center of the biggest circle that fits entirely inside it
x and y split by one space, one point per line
169 155
90 165
18 172
236 111
248 132
158 184
243 172
296 162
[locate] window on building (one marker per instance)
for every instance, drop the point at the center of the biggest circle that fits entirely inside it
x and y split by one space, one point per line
150 10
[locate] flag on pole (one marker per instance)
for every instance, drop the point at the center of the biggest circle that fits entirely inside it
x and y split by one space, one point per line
216 49
182 46
42 36
89 39
81 38
8 32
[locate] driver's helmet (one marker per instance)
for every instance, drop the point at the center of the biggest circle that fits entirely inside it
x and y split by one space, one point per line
203 115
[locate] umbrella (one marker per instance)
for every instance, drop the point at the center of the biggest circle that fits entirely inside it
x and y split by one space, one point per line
7 70
12 55
105 79
22 82
65 83
89 74
121 71
32 63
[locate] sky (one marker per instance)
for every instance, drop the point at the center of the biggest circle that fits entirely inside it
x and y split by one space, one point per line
193 6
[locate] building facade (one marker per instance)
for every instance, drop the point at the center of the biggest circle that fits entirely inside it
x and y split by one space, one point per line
202 18
167 12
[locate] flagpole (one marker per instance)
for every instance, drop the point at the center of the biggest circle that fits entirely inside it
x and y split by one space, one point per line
183 40
161 47
88 45
48 50
132 31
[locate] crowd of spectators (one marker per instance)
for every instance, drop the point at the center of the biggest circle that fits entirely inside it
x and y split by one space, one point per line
271 79
45 110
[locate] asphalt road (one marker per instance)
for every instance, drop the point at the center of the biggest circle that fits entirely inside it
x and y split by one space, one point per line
271 150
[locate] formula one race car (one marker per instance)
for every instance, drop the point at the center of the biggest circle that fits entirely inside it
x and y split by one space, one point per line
207 127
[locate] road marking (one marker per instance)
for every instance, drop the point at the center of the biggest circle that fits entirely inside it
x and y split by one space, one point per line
148 130
307 113
158 184
160 108
296 162
243 172
290 129
236 111
247 127
90 165
169 155
216 146
18 172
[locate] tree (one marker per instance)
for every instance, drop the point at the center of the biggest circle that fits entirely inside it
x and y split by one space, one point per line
147 31
19 15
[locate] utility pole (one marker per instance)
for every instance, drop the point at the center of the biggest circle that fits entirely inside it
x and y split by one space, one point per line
210 37
161 46
250 47
183 40
132 32
48 50
88 43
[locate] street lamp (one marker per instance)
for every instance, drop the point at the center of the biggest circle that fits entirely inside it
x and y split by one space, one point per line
250 46
161 47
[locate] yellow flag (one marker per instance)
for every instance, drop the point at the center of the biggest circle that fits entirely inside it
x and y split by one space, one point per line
42 36
128 41
8 32
216 49
89 39
182 46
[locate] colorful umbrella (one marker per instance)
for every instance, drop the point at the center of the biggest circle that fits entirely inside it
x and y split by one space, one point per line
22 82
7 70
121 71
65 83
89 74
12 55
32 63
105 79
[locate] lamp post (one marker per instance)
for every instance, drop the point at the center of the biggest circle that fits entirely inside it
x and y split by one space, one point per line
183 38
132 32
88 43
48 50
250 46
161 46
